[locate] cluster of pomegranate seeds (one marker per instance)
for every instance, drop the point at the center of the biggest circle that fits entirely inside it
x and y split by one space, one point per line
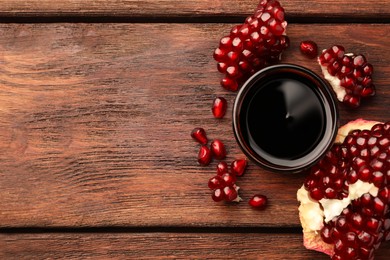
361 227
353 72
364 155
253 45
219 107
359 230
258 201
309 48
223 185
217 148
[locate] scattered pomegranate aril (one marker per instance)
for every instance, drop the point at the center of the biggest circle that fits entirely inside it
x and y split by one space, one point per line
345 199
199 135
256 43
216 182
309 48
218 195
238 167
229 179
258 201
204 155
230 193
349 75
222 168
218 149
219 107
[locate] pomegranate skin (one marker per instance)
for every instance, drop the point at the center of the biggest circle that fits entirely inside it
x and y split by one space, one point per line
219 107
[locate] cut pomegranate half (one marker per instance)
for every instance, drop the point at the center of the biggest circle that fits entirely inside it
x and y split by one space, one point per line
345 200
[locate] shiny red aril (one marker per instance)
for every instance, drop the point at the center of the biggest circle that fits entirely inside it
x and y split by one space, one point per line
218 195
230 193
238 167
258 201
216 182
309 48
228 179
199 135
222 168
219 107
218 149
204 155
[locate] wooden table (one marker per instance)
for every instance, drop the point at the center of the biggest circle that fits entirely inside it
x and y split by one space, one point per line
97 102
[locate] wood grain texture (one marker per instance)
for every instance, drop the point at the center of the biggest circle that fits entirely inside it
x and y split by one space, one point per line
95 123
159 246
190 8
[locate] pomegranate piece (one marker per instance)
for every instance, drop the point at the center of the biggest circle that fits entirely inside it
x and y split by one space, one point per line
256 43
349 75
219 107
238 167
309 48
344 201
258 201
204 155
199 135
218 149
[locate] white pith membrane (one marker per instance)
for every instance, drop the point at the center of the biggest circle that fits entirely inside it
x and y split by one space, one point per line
313 214
334 81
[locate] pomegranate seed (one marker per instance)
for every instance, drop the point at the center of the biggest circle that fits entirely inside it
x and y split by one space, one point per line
218 195
218 149
230 193
199 135
258 201
216 182
222 168
309 48
238 167
204 156
229 179
219 107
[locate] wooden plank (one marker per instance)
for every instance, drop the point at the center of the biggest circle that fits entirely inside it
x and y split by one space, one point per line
190 8
95 123
160 246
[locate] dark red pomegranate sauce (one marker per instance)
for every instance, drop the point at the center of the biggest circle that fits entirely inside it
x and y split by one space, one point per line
284 118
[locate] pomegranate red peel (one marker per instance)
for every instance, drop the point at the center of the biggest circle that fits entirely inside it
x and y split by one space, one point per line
256 43
356 224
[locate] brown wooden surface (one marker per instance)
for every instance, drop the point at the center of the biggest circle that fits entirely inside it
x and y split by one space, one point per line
96 159
160 245
191 8
95 124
